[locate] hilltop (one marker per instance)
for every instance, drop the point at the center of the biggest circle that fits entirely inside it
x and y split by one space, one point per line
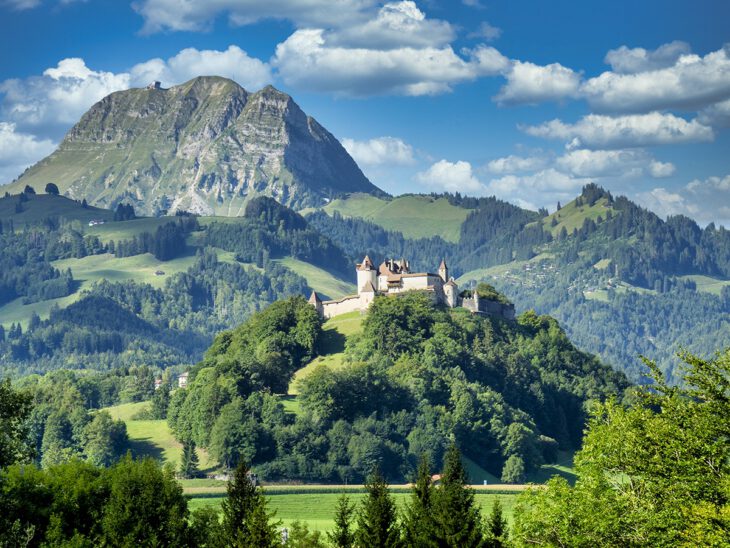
206 146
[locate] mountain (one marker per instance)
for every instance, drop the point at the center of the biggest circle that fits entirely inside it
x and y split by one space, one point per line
205 146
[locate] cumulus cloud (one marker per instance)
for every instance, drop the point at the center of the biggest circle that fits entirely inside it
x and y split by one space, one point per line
19 150
539 189
613 132
307 60
233 63
380 151
49 103
625 60
528 83
612 163
184 15
690 83
397 24
451 177
717 115
487 32
59 97
705 200
516 164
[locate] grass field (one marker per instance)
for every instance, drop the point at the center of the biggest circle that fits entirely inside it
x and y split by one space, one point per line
152 438
325 283
414 216
707 284
318 509
332 345
571 216
41 206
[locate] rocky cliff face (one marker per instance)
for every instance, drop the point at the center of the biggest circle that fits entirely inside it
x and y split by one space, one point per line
205 146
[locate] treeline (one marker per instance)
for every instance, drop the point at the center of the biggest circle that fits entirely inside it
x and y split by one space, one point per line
119 324
167 242
509 395
269 231
360 238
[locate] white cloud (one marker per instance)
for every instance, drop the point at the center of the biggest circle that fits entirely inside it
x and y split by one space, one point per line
717 115
233 63
50 103
19 150
705 200
487 32
307 60
186 15
692 82
451 177
58 97
397 24
625 60
612 163
659 170
528 83
541 189
517 164
380 151
602 132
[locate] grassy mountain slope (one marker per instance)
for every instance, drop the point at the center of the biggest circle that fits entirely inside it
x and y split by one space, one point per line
413 216
42 206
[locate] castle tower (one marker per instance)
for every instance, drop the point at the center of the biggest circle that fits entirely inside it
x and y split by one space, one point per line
316 302
366 273
451 291
444 271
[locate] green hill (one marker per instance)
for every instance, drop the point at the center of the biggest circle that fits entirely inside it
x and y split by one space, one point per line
412 215
39 207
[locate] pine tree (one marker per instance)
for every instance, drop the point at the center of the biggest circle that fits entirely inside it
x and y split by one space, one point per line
496 534
456 515
418 523
377 525
189 461
246 521
343 536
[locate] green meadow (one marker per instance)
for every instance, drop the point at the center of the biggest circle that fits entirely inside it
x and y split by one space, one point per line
414 216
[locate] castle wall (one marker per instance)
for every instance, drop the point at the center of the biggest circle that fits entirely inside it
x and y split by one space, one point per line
345 305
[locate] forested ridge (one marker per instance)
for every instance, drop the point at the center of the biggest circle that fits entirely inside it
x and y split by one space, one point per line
510 394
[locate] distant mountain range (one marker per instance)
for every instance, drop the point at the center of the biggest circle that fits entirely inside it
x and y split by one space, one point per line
206 146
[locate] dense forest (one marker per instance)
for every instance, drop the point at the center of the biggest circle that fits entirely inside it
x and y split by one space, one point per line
510 394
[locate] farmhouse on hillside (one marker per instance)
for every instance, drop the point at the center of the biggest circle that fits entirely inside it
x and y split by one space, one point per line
394 276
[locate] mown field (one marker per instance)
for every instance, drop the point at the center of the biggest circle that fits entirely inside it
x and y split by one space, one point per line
317 509
414 216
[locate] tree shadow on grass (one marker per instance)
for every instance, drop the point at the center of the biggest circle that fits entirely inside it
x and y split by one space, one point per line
143 447
331 342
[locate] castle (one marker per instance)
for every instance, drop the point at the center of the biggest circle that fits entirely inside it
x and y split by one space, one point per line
395 276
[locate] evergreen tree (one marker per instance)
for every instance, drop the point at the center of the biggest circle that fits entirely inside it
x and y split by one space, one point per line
343 536
455 513
418 525
377 525
246 521
189 461
496 534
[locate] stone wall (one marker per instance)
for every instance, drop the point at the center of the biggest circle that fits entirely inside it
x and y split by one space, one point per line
343 306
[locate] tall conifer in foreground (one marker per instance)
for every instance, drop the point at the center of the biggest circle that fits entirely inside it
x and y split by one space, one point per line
343 535
377 525
246 521
456 516
418 525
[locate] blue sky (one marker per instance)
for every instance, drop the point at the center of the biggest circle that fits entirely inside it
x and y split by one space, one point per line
525 100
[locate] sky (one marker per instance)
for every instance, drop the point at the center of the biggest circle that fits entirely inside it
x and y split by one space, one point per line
525 100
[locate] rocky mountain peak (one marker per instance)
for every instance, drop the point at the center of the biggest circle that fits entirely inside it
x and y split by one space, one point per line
206 145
